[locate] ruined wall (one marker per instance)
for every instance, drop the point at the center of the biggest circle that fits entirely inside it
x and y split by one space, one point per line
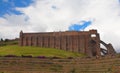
83 42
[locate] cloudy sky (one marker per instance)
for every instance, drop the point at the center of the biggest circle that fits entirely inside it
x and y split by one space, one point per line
61 15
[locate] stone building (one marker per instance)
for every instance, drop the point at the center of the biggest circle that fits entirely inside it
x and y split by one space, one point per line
87 42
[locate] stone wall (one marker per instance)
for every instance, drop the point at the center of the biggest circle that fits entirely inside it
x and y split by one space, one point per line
83 42
36 65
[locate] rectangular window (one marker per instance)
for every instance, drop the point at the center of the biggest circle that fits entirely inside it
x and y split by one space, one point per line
93 35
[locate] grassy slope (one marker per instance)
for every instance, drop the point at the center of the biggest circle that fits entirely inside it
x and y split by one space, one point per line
36 51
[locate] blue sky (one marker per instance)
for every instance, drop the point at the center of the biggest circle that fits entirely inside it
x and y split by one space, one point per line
9 6
80 26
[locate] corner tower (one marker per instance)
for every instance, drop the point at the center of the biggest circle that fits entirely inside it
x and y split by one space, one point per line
94 43
21 38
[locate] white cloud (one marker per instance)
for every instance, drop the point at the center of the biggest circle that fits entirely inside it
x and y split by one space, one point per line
105 15
11 25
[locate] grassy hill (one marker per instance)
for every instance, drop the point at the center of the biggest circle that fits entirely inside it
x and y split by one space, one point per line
36 51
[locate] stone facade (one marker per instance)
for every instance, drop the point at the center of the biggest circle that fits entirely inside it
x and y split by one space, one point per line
87 42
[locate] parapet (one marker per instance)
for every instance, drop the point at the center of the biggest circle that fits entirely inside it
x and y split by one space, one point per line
93 31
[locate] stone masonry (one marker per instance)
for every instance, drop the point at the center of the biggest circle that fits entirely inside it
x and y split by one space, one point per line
86 42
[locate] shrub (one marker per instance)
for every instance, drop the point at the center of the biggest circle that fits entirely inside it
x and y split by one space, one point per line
10 56
28 56
41 57
70 57
55 57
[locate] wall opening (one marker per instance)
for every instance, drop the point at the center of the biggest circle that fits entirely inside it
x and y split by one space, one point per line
93 35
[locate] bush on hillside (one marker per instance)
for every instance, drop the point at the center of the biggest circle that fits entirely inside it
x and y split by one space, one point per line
55 57
41 57
70 57
10 56
26 56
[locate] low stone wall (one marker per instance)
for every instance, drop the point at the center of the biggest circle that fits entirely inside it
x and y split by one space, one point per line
36 65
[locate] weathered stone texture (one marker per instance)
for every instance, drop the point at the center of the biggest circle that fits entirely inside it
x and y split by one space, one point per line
87 42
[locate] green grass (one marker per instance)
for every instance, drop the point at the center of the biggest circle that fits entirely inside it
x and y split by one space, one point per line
36 51
4 43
